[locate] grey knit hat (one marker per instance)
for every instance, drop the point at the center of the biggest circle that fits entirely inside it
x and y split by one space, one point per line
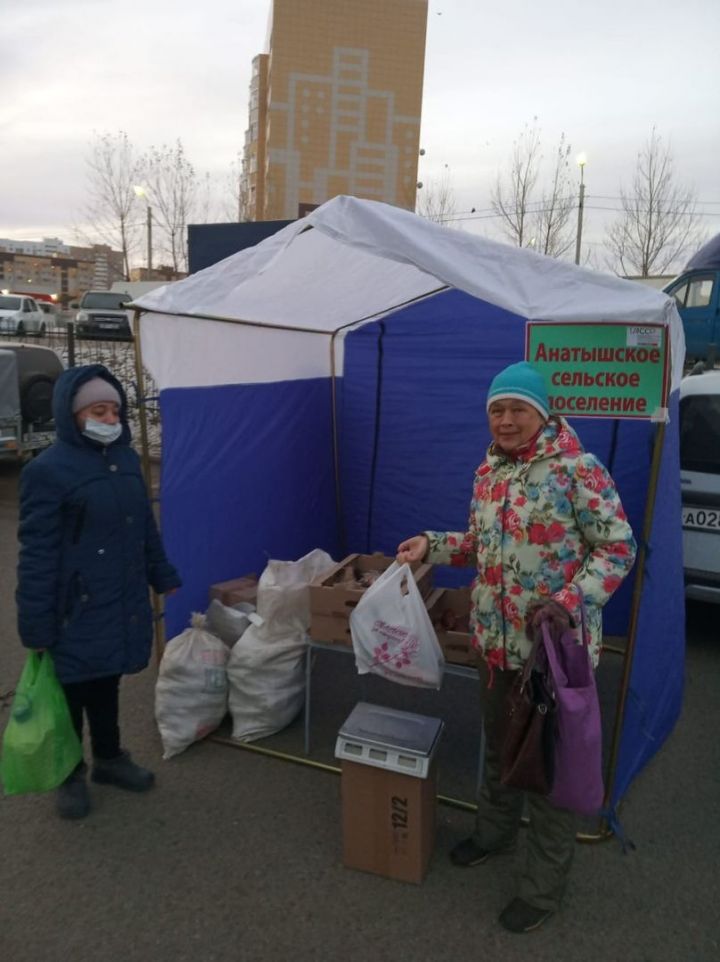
92 392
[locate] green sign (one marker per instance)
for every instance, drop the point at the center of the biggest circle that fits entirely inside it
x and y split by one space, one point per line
602 370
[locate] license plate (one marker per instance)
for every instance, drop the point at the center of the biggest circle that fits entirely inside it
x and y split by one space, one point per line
701 519
109 327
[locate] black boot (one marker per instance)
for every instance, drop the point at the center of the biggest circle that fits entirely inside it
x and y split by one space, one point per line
72 799
519 916
123 773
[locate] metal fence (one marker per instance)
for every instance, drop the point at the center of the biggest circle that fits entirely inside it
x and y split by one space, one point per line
119 358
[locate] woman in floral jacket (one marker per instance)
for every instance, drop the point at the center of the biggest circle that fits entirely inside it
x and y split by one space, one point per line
547 532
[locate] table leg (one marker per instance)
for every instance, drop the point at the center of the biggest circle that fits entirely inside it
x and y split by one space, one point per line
308 683
481 760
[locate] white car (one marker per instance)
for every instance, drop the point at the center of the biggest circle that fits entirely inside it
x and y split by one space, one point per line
700 480
20 315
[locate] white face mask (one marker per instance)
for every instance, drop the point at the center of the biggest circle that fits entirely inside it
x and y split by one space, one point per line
101 432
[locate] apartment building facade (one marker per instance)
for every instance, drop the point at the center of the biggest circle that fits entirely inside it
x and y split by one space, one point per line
335 106
60 273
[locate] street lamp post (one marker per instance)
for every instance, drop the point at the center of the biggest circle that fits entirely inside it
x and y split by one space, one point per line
581 160
141 193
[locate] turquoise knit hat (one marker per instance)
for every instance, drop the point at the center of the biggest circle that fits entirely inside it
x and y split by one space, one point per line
522 382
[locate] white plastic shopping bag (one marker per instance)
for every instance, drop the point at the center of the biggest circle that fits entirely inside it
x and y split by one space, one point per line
392 633
191 693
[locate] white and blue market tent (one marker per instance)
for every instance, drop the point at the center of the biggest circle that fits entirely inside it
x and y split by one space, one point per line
326 388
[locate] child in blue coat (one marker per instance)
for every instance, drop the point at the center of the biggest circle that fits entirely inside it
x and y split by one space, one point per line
89 548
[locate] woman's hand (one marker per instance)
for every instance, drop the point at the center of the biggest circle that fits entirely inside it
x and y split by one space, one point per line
557 617
414 549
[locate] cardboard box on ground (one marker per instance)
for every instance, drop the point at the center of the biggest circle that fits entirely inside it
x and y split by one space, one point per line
389 789
388 821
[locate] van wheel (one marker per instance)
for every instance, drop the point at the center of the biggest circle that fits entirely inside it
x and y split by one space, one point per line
43 330
20 329
36 400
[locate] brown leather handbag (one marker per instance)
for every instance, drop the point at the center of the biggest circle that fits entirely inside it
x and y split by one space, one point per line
526 756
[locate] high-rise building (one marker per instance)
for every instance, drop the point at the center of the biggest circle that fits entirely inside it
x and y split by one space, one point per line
335 106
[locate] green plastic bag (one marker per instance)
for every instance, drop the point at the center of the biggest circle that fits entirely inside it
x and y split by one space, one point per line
40 745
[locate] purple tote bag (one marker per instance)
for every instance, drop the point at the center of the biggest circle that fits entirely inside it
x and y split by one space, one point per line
578 782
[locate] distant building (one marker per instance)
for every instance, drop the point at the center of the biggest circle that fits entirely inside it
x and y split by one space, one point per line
50 269
335 106
47 247
160 275
108 264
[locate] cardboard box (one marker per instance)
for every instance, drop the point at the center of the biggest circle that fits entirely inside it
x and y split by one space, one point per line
332 600
236 590
456 643
389 790
388 821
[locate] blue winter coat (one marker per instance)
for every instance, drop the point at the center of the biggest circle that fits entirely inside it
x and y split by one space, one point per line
89 548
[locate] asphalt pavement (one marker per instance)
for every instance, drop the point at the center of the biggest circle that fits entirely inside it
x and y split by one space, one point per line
236 857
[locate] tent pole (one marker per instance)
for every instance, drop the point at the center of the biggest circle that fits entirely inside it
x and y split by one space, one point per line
158 612
448 800
369 544
142 414
336 448
634 616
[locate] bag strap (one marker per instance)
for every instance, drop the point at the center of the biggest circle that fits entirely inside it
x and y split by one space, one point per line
584 632
556 672
531 659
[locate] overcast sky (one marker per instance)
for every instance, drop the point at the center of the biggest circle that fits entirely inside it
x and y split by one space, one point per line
603 73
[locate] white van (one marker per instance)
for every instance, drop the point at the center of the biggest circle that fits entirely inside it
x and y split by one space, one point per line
700 479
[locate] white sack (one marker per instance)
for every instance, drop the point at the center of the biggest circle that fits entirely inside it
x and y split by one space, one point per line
392 634
266 683
191 691
266 668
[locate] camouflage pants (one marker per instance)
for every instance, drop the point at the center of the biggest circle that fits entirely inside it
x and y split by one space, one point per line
550 842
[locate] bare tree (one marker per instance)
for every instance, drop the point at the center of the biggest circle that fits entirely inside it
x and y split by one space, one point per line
437 199
172 190
511 196
659 221
530 221
113 168
551 221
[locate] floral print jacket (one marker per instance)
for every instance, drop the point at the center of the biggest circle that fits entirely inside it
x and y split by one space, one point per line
545 524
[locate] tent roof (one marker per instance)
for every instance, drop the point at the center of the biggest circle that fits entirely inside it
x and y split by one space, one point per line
363 259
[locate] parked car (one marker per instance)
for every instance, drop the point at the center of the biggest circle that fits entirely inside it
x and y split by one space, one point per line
697 295
20 315
52 313
700 479
102 315
27 378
